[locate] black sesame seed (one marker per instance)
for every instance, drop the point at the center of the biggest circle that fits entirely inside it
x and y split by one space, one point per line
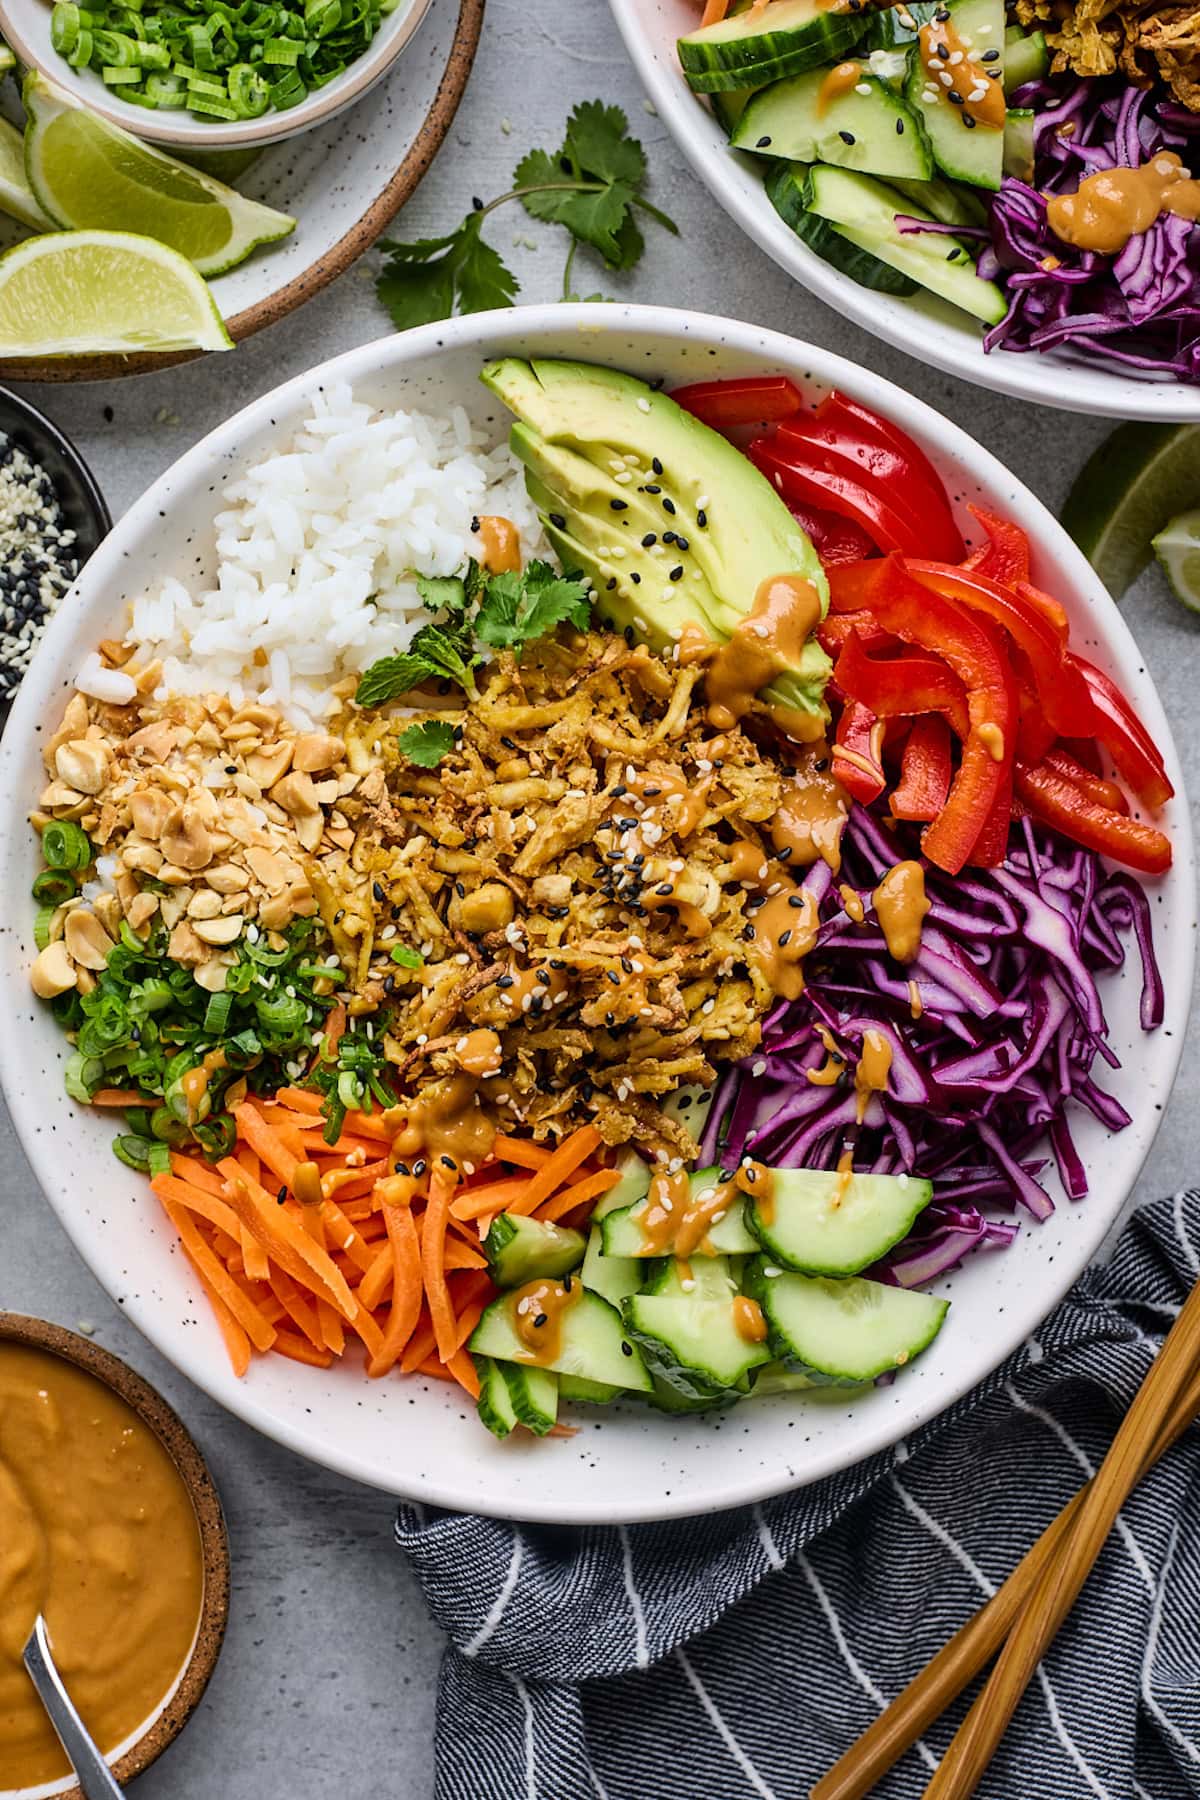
785 938
650 538
764 143
378 890
419 1166
677 572
626 1349
847 137
610 584
558 522
460 890
968 121
990 56
656 465
635 578
702 520
954 97
669 506
619 505
505 981
542 1319
650 488
797 899
543 975
899 127
681 543
447 1162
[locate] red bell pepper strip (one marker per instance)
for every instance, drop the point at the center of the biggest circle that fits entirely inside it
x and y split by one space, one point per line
925 771
835 540
1125 738
991 846
1095 787
846 449
858 753
1059 803
835 631
921 616
901 686
1005 556
1047 605
838 409
1035 734
1063 696
740 400
806 484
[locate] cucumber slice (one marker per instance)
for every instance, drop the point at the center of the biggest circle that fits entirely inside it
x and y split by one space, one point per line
711 1278
943 201
728 107
688 1106
843 1332
727 1236
534 1396
494 1405
1026 57
1018 143
787 190
591 1343
752 49
897 26
820 1223
968 151
864 212
520 1250
577 1390
692 1344
875 131
633 1185
614 1278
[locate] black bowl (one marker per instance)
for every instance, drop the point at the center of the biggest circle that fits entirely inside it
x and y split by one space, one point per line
84 507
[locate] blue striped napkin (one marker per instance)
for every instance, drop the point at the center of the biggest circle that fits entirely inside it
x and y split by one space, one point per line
737 1655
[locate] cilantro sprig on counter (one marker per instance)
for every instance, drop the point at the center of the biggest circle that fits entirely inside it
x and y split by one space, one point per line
592 186
503 611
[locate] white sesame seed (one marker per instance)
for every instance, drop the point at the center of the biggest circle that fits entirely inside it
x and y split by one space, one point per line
643 404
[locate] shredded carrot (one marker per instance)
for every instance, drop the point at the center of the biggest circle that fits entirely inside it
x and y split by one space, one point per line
266 1142
285 1237
237 1344
493 1197
589 1188
198 1172
461 1256
419 1345
122 1097
258 1263
300 1100
563 1162
519 1153
261 1334
458 1367
197 1200
714 12
298 1307
288 1343
407 1286
376 1284
433 1263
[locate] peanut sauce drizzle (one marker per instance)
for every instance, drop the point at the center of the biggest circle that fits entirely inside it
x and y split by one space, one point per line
812 813
940 44
748 1320
900 906
538 1310
768 641
991 736
747 863
916 1005
1113 205
785 932
852 900
500 542
842 79
479 1053
676 1222
870 1077
447 1121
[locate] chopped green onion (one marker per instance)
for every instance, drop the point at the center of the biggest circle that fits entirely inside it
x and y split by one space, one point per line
407 957
65 26
82 1075
217 1136
41 925
134 1152
117 76
81 55
249 90
216 1014
158 1162
65 845
53 886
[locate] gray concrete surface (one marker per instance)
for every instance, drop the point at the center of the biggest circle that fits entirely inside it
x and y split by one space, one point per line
326 1686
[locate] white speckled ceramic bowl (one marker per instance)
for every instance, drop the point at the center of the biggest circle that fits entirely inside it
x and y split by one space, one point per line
924 326
420 1438
26 26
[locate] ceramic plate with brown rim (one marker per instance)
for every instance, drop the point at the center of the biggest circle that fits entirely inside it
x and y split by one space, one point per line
343 182
178 1480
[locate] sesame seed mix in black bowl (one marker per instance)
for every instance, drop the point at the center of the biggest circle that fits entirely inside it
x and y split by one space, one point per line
52 516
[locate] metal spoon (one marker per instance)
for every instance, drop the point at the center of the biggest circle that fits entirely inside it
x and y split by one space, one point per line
95 1777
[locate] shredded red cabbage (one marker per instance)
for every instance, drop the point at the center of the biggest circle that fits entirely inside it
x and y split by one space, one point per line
1009 1023
1141 308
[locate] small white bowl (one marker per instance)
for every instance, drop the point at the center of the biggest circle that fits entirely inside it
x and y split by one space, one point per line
418 1437
926 327
25 24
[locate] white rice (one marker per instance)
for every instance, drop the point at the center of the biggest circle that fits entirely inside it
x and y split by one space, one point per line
318 549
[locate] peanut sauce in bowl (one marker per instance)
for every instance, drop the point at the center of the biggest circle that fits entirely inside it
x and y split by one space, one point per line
112 1529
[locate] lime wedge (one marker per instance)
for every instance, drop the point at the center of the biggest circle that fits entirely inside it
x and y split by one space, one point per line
90 175
1138 479
1177 548
77 292
16 195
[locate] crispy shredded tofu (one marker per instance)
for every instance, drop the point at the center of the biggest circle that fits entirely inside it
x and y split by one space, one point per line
1145 43
566 876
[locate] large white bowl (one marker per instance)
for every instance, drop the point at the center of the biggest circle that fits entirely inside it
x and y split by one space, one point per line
26 26
927 328
419 1438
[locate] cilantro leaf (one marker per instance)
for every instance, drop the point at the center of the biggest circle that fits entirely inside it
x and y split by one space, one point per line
425 280
518 607
427 743
390 677
443 593
596 138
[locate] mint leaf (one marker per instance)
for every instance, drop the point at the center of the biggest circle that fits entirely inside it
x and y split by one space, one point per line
390 677
447 653
426 744
519 607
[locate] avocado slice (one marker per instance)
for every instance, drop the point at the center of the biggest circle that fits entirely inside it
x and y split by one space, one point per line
579 427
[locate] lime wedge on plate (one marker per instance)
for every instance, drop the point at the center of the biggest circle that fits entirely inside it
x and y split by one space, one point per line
1139 478
77 292
16 195
1177 548
90 175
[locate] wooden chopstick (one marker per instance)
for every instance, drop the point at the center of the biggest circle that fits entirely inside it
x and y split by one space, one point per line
927 1696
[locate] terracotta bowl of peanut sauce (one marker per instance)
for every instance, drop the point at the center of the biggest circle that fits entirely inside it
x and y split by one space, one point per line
112 1527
